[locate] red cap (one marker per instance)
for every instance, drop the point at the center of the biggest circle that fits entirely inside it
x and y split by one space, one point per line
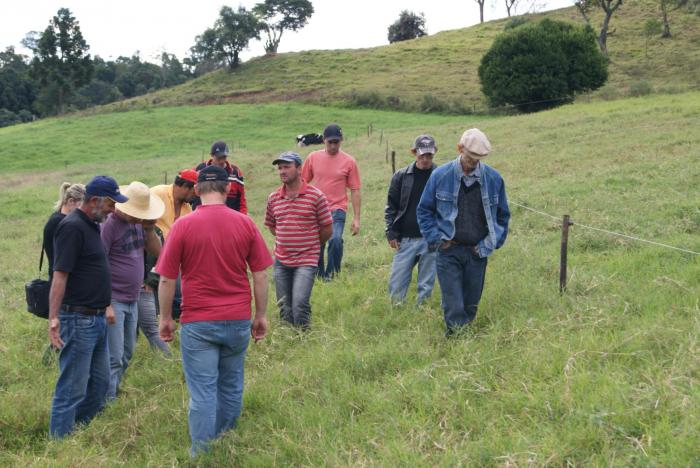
189 175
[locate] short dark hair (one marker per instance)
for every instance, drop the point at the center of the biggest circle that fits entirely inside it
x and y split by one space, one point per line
179 181
212 186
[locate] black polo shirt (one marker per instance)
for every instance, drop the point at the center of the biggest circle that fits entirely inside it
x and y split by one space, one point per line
80 253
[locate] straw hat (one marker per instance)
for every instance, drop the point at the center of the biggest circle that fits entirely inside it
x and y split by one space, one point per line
141 204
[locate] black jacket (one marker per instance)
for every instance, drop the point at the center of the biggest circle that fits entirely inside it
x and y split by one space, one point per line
398 198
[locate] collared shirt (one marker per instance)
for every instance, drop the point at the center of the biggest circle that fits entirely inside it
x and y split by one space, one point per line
297 222
79 252
165 222
473 177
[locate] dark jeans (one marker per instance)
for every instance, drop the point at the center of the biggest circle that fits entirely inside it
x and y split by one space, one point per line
335 247
293 286
461 276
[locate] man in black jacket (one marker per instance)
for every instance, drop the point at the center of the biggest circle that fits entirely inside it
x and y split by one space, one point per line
402 230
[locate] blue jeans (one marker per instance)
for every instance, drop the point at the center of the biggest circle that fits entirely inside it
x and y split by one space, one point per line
148 322
213 354
335 247
84 372
293 286
121 338
412 250
461 275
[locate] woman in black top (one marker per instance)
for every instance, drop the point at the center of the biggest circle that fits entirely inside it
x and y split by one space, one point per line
69 197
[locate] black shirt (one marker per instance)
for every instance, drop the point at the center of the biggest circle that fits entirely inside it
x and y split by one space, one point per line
49 231
409 222
78 251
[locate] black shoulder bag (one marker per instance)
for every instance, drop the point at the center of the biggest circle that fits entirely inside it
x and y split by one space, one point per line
37 292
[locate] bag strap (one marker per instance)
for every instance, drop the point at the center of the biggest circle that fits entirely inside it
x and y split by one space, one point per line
41 259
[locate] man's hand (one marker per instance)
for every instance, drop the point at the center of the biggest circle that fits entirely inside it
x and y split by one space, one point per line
167 329
355 227
258 329
109 315
394 244
55 333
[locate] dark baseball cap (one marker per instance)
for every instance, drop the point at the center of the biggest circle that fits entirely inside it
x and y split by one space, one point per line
425 144
288 157
219 149
332 132
105 186
214 173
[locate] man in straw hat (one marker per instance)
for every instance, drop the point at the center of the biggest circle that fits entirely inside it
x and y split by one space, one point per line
125 234
80 293
463 214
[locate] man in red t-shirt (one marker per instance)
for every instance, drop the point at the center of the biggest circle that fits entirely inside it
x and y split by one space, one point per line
333 172
298 216
213 248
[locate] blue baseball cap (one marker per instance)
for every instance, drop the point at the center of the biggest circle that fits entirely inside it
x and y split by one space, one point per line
105 186
288 157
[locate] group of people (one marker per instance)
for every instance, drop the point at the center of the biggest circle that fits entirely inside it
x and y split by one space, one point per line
184 250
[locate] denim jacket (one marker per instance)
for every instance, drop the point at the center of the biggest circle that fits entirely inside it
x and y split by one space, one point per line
437 208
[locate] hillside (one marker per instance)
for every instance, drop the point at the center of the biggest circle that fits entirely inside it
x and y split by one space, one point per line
606 374
439 72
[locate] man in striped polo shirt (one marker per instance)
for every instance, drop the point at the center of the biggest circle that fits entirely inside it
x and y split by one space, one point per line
298 216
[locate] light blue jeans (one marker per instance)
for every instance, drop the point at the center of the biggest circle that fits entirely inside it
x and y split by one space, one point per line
148 321
84 372
121 338
293 286
213 354
412 251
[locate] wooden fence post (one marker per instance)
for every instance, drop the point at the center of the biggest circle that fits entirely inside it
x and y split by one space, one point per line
381 136
563 256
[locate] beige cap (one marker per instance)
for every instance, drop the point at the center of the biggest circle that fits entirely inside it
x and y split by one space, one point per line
142 204
475 143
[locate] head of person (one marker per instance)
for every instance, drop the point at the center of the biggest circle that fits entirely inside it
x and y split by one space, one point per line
332 137
141 205
183 185
213 182
289 167
69 197
101 195
219 153
473 146
424 148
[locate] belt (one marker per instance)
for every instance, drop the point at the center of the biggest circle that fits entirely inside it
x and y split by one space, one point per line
83 310
454 242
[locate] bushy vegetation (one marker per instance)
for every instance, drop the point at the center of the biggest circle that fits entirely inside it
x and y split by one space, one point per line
409 25
542 65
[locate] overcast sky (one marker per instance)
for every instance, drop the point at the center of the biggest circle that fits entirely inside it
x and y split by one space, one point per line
114 28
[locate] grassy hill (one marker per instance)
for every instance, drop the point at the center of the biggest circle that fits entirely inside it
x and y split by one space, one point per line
439 72
606 374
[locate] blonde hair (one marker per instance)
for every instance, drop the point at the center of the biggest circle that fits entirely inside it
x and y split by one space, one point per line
69 191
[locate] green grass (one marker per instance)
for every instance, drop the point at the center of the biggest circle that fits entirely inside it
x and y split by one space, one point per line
606 374
439 72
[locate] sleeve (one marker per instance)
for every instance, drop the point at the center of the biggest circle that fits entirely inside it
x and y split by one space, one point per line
393 200
323 212
241 190
170 258
426 212
270 221
68 243
47 241
307 171
502 216
259 257
354 176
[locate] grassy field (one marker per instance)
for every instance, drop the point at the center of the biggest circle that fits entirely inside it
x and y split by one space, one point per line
439 72
606 374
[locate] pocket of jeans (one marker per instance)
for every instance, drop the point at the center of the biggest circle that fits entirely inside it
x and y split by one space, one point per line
84 321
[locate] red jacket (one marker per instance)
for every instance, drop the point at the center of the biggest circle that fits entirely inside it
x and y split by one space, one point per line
236 196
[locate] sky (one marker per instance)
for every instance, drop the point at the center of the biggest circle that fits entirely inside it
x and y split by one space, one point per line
114 28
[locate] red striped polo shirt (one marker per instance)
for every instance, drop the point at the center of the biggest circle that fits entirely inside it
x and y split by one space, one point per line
297 222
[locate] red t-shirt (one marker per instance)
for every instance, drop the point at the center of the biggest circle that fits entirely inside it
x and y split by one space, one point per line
213 247
297 222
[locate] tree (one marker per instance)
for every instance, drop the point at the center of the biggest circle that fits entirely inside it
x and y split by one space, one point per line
609 7
17 89
666 32
541 65
280 15
481 9
61 63
230 35
511 6
408 26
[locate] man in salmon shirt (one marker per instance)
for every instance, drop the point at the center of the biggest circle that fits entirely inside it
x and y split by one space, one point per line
334 172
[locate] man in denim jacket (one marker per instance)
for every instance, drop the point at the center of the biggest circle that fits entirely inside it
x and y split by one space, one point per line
463 214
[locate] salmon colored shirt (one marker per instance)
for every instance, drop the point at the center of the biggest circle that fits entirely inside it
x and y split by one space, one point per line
332 175
165 193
